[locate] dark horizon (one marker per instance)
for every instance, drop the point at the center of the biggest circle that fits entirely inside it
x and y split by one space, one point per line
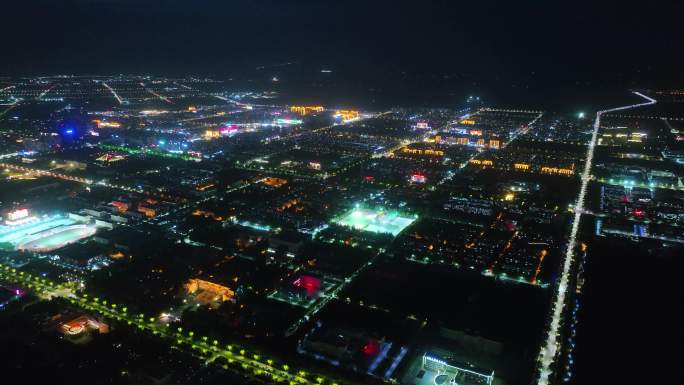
520 43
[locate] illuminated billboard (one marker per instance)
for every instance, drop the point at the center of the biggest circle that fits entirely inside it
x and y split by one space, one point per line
18 214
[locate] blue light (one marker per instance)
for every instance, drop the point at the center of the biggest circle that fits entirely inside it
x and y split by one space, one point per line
69 131
162 142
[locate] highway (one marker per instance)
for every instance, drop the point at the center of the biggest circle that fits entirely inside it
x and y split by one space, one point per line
552 345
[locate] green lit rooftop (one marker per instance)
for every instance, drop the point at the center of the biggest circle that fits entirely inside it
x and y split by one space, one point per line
377 221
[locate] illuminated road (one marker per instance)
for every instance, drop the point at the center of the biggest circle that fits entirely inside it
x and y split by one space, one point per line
251 363
45 173
116 96
10 155
3 113
163 98
71 178
632 235
216 115
324 128
522 130
11 105
321 303
552 344
42 95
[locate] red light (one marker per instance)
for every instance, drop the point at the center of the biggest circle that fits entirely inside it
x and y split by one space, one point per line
310 283
371 348
228 129
418 178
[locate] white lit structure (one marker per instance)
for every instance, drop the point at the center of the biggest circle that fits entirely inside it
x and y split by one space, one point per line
446 372
18 217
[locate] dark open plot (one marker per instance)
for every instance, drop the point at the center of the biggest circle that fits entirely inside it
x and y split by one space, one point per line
376 322
336 259
631 305
456 299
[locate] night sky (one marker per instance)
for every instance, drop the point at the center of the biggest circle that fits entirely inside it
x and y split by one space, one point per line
507 42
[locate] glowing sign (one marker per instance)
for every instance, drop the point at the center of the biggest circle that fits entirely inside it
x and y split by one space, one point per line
209 292
371 348
310 283
152 112
194 154
347 114
101 124
288 121
556 170
305 110
315 165
422 125
483 163
18 214
209 134
228 130
418 178
415 151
